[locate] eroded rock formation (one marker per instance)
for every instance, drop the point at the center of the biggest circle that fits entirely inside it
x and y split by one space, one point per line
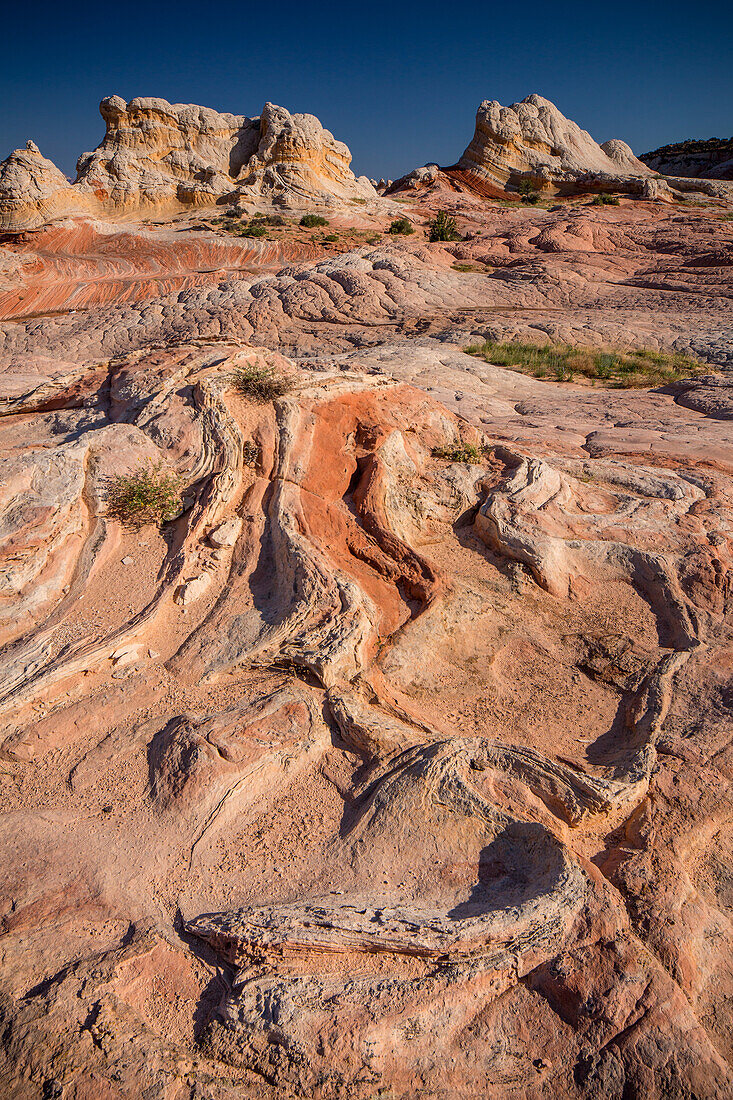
162 157
398 763
711 159
533 138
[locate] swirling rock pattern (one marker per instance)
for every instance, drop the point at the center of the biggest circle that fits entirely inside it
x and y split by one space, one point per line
373 773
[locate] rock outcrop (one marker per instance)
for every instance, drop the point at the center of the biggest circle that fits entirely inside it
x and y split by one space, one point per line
33 191
534 139
162 157
711 159
397 761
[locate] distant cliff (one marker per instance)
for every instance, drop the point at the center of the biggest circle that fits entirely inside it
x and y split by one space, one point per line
710 159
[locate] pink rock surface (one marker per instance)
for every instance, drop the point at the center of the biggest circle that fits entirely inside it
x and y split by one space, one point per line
373 772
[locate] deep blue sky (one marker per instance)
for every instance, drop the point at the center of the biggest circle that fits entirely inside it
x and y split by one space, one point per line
399 83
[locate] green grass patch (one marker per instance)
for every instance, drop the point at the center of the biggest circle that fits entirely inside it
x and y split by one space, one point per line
261 382
561 363
147 495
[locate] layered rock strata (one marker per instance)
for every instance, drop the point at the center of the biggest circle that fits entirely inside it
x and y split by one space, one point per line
162 157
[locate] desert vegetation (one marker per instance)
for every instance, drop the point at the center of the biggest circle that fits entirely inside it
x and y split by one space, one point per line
401 227
562 363
443 227
149 494
460 452
605 200
261 382
528 194
312 221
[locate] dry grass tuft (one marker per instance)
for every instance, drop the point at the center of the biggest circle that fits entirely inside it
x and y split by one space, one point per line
261 382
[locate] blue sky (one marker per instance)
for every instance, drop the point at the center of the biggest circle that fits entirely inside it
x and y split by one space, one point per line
399 83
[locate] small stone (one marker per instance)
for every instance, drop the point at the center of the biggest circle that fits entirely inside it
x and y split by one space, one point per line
128 560
227 533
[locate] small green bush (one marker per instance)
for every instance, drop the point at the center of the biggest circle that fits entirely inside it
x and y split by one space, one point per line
310 221
331 238
605 200
253 230
527 193
443 227
147 495
261 382
402 227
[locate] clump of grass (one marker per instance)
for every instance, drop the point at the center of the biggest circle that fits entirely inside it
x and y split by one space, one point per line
261 382
527 193
331 238
561 362
443 227
605 200
460 452
147 495
477 269
310 221
401 227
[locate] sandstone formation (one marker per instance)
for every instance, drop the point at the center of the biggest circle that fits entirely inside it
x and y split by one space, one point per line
397 762
533 143
534 139
33 191
711 159
162 157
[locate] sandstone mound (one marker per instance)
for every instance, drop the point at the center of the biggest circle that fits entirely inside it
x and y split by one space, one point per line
534 138
163 157
33 191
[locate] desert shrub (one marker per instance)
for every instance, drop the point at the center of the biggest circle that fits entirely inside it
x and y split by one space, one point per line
260 382
310 221
147 495
253 230
443 227
605 200
527 193
625 369
401 227
331 238
460 452
250 453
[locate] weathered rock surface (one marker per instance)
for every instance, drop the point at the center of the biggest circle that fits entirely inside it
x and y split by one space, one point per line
162 157
33 191
372 772
532 142
711 159
533 138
